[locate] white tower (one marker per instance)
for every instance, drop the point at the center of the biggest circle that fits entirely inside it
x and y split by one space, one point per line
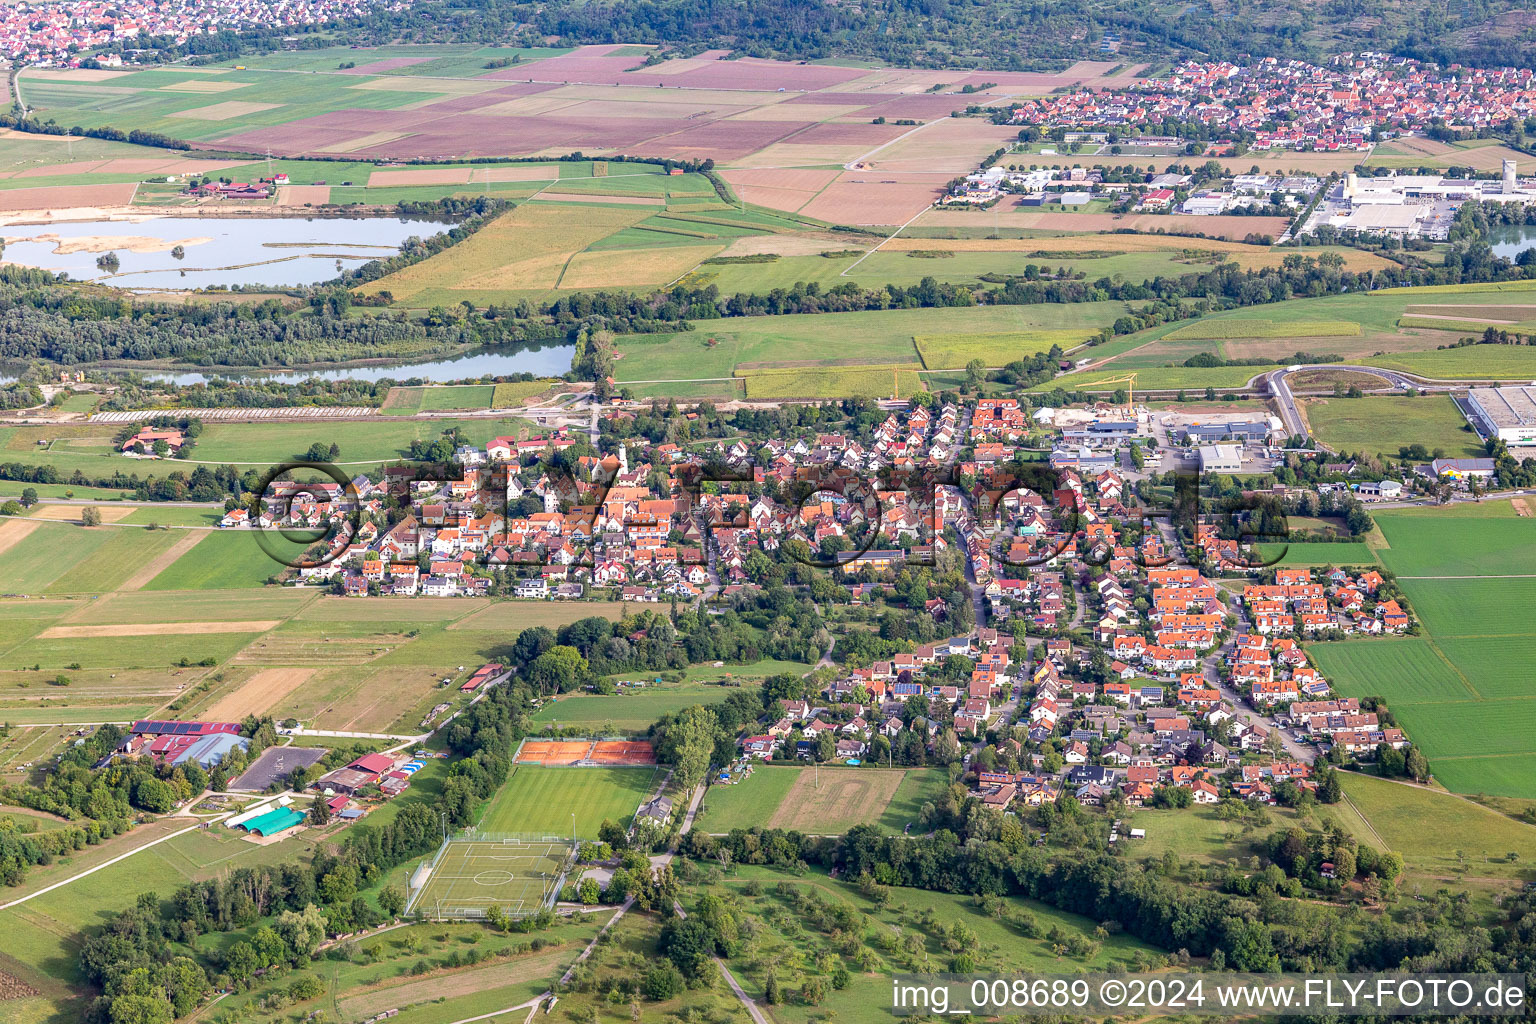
1510 185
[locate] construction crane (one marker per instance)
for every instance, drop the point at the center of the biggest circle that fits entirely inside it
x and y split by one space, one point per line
1129 378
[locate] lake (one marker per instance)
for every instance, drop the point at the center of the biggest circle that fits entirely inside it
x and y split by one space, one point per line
273 252
545 360
1510 240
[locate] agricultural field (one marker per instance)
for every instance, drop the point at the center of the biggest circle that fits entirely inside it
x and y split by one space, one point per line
953 352
536 799
1462 690
363 443
632 711
829 801
1381 425
835 339
1261 328
1320 553
834 382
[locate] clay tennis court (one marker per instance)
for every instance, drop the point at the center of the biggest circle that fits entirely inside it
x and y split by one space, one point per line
623 752
156 629
553 751
258 693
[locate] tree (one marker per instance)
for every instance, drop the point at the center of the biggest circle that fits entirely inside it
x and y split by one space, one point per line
391 900
771 994
1417 765
975 372
28 497
589 892
558 669
90 516
1330 791
612 833
663 981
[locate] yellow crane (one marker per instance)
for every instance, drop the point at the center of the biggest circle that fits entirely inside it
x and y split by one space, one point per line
1129 378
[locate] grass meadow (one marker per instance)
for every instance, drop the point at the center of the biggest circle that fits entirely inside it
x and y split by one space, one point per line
790 797
1380 425
632 711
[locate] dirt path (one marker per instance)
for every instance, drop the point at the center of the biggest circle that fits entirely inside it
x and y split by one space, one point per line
157 565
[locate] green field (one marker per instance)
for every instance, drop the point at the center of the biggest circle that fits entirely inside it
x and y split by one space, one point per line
1457 546
1404 671
629 712
467 396
537 799
1428 828
1192 378
1317 553
226 561
1463 691
718 348
954 351
773 795
832 382
361 441
1380 425
1256 328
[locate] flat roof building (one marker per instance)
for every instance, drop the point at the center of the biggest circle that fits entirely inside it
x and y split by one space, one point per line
1221 458
1508 413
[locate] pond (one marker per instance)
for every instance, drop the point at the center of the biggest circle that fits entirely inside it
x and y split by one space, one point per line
1510 240
274 252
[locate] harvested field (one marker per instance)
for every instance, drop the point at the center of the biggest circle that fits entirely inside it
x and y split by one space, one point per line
303 195
156 629
601 197
14 531
71 513
862 198
420 176
520 172
944 147
838 382
61 197
633 268
352 145
801 244
258 694
804 179
224 111
525 248
1078 223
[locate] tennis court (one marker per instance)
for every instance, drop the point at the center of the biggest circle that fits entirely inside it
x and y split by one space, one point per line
471 875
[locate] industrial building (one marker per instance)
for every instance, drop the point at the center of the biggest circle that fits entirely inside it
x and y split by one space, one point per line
1221 458
1507 413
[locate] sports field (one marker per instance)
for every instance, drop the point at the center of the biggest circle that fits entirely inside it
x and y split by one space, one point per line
543 799
472 875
